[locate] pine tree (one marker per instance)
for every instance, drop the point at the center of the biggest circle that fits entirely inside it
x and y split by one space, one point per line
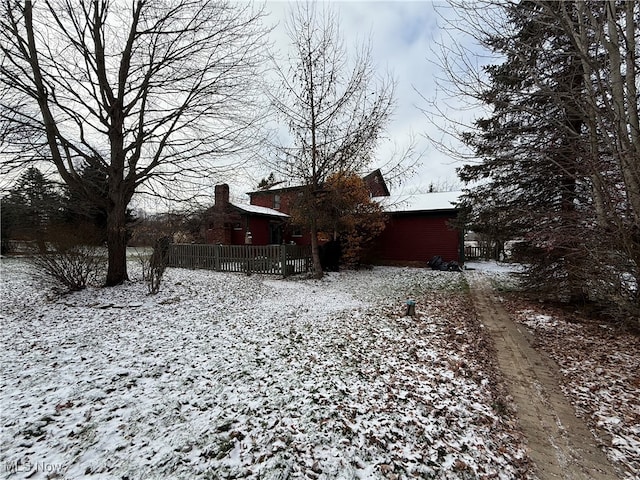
532 183
32 206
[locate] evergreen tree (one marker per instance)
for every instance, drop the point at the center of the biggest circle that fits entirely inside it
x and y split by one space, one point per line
87 205
31 207
559 152
532 183
82 208
267 183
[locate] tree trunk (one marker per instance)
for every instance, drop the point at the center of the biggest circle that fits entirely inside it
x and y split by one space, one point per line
117 244
315 251
621 115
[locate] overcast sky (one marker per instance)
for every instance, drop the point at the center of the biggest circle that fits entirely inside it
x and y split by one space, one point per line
405 38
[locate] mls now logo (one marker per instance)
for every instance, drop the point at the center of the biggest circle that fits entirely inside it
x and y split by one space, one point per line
18 466
26 466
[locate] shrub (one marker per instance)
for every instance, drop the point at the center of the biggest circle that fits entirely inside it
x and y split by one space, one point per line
143 258
158 264
70 266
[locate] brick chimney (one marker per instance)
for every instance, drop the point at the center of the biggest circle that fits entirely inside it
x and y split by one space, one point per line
222 195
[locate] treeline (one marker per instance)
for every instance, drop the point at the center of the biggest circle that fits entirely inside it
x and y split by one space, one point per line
560 148
43 213
39 210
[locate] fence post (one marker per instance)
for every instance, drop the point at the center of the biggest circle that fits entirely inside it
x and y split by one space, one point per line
171 256
216 257
283 260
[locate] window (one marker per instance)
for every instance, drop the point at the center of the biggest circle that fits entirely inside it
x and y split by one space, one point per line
276 202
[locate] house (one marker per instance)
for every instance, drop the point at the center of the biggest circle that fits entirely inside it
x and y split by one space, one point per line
282 198
376 184
230 223
419 228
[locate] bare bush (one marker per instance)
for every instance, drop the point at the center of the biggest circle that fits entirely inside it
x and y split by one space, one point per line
158 264
143 258
72 267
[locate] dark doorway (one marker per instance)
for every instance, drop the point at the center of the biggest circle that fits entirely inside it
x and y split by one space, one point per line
275 233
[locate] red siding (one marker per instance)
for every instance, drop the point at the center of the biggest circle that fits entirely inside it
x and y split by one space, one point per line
408 238
302 237
237 236
287 197
234 232
376 184
266 199
418 238
259 228
262 199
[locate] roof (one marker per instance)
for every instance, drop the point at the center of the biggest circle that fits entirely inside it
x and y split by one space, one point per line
275 188
421 202
281 187
257 210
377 178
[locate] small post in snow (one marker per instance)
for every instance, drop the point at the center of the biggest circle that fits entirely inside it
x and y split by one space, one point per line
248 240
411 308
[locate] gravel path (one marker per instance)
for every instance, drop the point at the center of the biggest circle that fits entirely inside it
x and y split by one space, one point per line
559 443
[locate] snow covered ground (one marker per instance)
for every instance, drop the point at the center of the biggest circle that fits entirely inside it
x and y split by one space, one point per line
600 370
228 376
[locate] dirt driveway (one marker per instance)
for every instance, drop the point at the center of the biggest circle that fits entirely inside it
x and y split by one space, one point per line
560 444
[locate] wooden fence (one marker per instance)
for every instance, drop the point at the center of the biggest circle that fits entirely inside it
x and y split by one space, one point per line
270 259
485 253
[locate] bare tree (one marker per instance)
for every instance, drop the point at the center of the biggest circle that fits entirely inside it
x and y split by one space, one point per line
607 39
334 107
153 94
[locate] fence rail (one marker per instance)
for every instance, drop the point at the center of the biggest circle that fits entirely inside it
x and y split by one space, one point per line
270 259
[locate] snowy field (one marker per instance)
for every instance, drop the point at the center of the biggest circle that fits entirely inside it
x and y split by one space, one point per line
229 376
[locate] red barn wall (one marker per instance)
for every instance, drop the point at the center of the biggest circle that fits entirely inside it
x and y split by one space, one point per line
417 238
